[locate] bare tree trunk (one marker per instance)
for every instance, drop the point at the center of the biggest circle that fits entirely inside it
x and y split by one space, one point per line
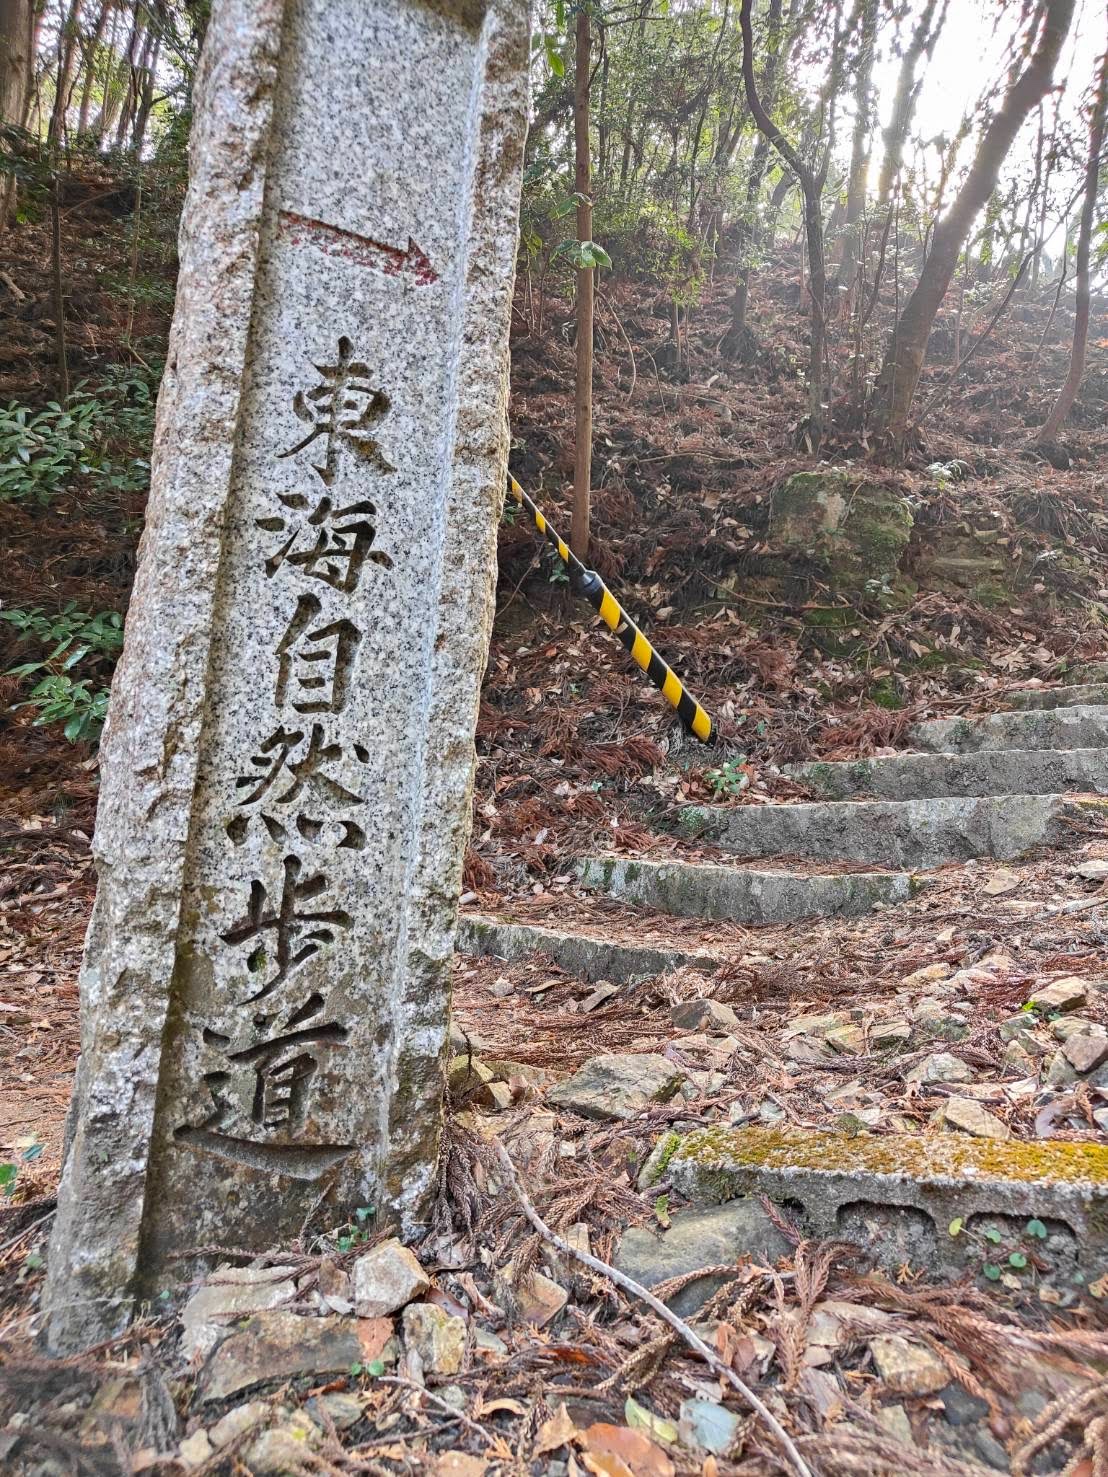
859 152
129 101
811 186
67 52
90 66
1064 404
582 469
904 361
145 90
734 339
921 45
17 60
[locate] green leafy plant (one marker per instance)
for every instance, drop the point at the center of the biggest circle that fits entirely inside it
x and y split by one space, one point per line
41 450
729 778
358 1233
72 639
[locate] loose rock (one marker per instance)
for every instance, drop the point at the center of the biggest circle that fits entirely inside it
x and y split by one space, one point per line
1070 993
970 1117
437 1337
1086 1053
228 1293
699 1238
906 1368
386 1278
277 1345
617 1086
703 1015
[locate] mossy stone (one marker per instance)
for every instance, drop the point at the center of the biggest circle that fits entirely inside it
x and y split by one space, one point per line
857 530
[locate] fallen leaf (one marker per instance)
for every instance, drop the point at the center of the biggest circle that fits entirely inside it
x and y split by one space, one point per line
460 1464
640 1419
617 1451
559 1430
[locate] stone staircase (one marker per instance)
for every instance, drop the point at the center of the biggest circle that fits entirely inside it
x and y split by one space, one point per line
996 788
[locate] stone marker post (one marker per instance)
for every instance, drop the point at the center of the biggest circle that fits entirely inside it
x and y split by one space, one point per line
289 752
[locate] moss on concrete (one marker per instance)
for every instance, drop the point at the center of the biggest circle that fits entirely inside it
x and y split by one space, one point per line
914 1156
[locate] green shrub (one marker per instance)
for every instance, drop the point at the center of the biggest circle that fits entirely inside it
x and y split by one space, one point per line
71 639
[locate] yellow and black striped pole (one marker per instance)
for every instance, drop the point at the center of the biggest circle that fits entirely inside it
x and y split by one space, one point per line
588 583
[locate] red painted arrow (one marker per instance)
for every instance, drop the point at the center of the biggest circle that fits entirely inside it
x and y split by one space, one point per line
394 261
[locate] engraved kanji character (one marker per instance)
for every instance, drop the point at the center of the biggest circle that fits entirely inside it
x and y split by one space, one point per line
315 664
284 755
297 935
343 408
342 543
262 1087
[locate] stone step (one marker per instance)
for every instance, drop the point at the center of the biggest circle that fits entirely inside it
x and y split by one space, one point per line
1079 727
928 776
704 890
588 955
897 833
900 1194
1059 697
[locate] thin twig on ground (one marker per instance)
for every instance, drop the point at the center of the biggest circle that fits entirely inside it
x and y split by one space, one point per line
667 1315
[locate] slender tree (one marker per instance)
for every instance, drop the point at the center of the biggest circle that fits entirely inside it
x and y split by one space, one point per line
582 471
1068 393
17 59
811 179
904 360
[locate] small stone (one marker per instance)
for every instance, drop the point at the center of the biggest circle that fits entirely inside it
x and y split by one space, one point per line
961 1408
970 1117
703 1015
1015 1025
282 1450
1018 1059
657 1159
386 1278
195 1449
618 1085
925 976
941 1067
704 1425
894 1418
906 1368
700 1238
1093 871
341 1410
1062 995
228 1293
487 1343
1059 1072
1086 1053
1100 1118
884 1034
1074 1025
467 1079
600 996
238 1421
436 1336
1000 882
460 1464
277 1345
498 1096
539 1299
848 1040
